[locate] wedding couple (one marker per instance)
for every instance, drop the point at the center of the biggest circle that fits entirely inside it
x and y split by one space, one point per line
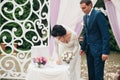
95 43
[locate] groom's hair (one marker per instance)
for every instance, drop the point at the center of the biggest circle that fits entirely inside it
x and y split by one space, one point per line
87 2
58 30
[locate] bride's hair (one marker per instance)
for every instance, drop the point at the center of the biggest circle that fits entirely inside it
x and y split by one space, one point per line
58 30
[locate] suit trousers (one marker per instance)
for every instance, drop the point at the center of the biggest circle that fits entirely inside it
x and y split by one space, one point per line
95 65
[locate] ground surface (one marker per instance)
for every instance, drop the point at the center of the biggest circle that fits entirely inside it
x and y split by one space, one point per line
112 67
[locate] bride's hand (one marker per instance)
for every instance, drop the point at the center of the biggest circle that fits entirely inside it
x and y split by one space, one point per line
59 61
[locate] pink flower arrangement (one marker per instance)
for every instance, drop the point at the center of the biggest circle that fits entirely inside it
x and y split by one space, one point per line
40 60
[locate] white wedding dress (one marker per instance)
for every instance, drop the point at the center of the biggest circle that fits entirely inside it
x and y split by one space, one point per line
74 46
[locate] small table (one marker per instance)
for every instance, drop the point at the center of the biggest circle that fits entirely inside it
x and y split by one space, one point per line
48 72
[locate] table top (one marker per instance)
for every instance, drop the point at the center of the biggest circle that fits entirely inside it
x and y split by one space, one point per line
48 72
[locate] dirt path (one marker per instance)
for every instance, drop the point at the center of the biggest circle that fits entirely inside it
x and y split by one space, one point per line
112 67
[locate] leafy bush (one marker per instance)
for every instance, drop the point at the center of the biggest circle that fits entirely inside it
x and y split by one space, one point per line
113 44
26 11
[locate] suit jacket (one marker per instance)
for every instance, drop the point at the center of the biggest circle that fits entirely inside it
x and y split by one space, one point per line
96 33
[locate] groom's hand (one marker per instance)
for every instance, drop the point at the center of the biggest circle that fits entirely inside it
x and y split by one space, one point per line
82 52
104 57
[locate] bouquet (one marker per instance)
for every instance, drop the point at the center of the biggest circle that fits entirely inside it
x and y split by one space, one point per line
40 61
67 56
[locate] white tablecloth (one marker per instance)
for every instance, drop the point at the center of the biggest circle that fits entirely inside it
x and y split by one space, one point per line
48 72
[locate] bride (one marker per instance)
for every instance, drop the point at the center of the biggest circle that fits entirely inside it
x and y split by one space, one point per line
67 41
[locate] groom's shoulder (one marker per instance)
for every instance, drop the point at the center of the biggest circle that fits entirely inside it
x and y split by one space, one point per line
97 11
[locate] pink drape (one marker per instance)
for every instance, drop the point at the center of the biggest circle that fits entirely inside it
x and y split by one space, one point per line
113 20
78 28
54 10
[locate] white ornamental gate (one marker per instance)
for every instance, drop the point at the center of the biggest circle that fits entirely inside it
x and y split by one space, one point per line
23 23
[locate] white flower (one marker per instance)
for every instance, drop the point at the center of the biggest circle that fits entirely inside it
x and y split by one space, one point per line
67 56
82 23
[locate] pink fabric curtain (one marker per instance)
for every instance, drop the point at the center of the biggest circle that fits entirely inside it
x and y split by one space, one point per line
111 11
79 27
54 10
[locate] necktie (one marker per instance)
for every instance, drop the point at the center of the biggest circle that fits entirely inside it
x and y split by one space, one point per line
87 19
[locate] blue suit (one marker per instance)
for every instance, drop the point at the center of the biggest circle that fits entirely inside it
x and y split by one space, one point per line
96 41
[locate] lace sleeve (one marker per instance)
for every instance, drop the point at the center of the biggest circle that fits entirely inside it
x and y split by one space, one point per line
57 48
76 44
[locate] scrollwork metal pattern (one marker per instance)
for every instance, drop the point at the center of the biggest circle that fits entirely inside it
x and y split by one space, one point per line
23 23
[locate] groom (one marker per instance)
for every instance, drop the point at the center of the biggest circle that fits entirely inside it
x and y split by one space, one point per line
95 40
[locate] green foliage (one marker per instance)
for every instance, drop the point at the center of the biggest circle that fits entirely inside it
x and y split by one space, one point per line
113 44
7 35
100 4
21 14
